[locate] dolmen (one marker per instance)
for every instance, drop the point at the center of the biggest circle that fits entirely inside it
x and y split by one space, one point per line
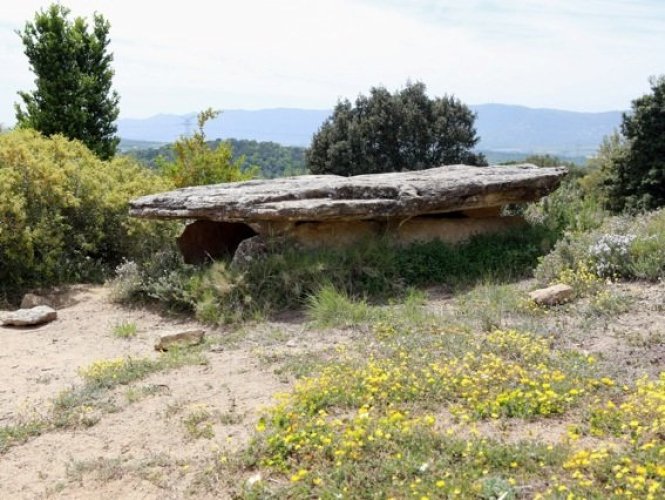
449 203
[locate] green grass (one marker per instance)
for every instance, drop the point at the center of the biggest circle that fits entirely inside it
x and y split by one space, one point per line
12 435
125 330
101 469
199 423
330 307
488 306
134 394
374 270
608 304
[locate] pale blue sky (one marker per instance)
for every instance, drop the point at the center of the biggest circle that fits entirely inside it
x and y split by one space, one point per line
183 56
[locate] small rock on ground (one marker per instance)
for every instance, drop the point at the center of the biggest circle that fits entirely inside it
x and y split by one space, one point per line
180 339
30 317
552 295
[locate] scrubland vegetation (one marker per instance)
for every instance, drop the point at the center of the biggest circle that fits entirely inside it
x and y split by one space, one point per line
64 213
454 382
487 398
432 410
490 398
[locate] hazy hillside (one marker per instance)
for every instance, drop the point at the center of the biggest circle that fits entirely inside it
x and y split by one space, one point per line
502 128
274 160
291 127
518 128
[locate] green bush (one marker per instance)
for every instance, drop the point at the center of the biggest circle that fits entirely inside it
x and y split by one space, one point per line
569 208
164 278
636 178
622 247
287 278
197 162
63 212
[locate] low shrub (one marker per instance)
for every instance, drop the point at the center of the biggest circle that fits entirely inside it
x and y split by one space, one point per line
63 212
495 258
622 247
570 208
164 278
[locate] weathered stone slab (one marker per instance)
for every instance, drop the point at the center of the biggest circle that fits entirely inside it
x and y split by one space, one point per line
30 317
187 338
379 196
338 234
552 295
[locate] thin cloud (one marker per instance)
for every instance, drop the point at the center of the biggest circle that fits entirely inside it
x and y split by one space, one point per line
593 55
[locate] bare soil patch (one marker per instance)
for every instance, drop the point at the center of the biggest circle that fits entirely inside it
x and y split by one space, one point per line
145 448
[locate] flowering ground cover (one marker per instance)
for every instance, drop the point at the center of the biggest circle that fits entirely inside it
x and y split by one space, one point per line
404 418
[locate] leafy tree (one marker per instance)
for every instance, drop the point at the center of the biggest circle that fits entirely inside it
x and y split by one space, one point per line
386 132
73 93
196 162
636 179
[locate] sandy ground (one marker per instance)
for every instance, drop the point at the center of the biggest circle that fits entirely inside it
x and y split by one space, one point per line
144 450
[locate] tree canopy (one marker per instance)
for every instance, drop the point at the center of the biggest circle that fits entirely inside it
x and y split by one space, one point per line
393 132
636 177
73 94
197 162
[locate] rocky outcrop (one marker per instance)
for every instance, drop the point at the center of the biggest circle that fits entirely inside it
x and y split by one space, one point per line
30 317
450 203
31 300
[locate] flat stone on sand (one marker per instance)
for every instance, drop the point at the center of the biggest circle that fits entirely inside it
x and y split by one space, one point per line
30 317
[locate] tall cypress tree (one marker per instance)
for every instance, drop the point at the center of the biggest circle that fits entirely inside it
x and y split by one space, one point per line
73 94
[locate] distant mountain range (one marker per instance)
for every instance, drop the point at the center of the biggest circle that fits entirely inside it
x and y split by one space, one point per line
502 128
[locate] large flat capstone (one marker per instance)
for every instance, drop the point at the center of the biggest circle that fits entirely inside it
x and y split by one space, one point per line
450 204
397 195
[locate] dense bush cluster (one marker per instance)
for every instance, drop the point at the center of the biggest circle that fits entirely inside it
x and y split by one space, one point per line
63 212
636 179
572 208
197 162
